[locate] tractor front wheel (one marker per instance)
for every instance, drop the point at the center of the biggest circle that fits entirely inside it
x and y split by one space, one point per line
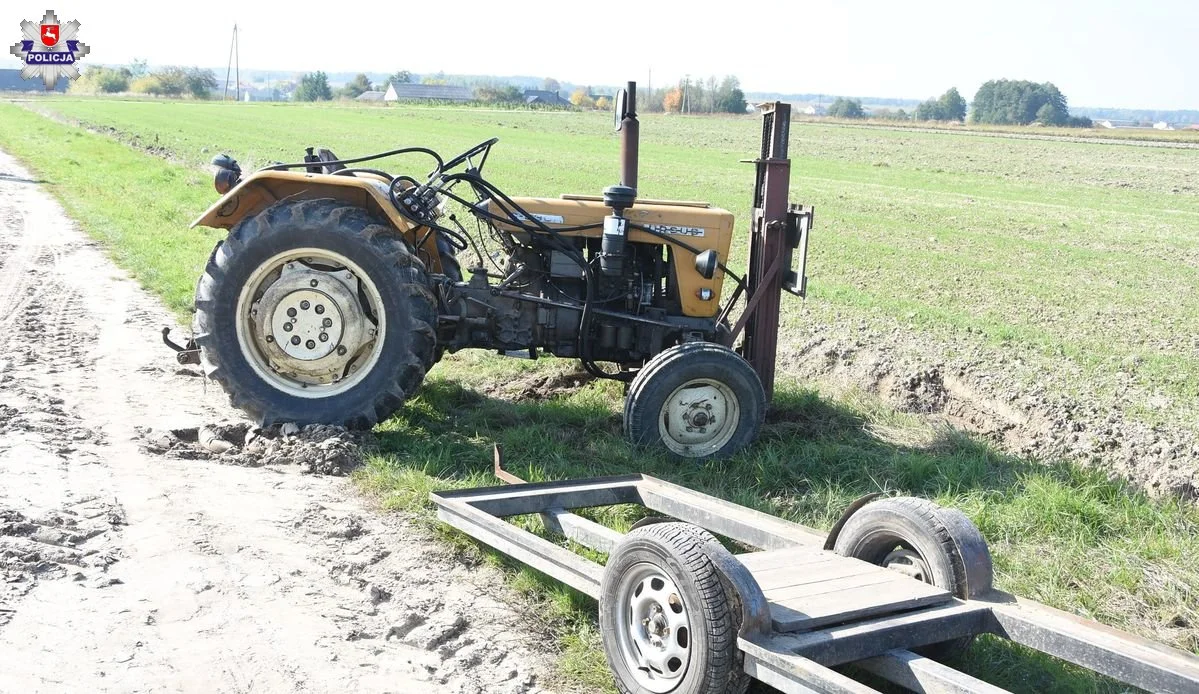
314 311
698 400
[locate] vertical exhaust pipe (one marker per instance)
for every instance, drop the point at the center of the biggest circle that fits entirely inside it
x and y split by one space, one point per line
621 197
629 139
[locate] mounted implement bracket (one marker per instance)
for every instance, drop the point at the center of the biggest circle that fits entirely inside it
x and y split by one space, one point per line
780 229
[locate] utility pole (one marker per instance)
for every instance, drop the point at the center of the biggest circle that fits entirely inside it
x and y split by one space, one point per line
237 53
649 85
233 51
686 88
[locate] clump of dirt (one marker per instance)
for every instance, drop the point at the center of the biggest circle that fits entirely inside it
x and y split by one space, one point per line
317 448
921 392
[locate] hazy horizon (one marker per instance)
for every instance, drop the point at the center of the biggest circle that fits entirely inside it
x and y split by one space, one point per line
1100 53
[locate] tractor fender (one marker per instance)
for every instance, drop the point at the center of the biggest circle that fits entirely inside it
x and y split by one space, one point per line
262 189
853 508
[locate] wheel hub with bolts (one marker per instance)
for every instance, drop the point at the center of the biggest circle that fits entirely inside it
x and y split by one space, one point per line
656 640
699 417
309 326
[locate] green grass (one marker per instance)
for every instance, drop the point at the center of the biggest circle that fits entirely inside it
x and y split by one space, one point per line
1077 259
1037 247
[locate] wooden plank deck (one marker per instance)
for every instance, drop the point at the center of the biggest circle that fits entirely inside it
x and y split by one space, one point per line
808 587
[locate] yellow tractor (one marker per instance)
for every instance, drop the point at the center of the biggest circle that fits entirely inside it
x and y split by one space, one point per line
339 286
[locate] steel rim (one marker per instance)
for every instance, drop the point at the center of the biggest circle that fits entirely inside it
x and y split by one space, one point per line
909 563
653 630
310 322
699 418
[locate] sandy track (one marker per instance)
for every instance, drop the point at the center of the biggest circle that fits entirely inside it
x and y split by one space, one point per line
124 571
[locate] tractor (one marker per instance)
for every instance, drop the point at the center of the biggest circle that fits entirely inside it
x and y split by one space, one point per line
339 285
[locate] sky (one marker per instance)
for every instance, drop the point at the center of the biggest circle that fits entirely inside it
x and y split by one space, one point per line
1098 52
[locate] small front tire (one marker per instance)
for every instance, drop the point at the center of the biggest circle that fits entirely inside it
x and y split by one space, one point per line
698 400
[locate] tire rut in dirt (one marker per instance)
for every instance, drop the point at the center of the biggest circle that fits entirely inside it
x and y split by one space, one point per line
400 278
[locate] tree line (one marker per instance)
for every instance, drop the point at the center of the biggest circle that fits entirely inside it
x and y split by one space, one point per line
997 102
136 78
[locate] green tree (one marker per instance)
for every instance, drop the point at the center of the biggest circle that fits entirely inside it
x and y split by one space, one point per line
168 81
846 108
138 68
498 93
550 84
200 83
1012 102
400 77
1046 114
952 106
355 87
728 96
97 79
314 86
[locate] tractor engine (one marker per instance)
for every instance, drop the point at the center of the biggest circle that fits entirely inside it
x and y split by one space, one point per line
644 295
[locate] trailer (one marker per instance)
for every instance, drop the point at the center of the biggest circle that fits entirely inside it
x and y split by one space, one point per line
679 612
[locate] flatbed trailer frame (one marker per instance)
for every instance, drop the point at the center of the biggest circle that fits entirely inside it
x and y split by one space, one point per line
795 650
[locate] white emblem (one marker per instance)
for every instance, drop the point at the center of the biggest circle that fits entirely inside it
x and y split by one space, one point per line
49 50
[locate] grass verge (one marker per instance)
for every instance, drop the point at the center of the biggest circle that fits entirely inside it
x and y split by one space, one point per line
1059 534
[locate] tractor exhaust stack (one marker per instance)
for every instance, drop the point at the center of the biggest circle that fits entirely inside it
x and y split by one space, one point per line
629 136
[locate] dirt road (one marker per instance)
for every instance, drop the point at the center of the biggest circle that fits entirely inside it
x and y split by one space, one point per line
125 571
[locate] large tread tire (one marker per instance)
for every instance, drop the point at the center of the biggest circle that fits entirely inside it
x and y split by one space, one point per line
949 544
683 551
675 366
398 275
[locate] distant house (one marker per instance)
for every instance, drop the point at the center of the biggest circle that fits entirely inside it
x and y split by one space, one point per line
815 110
373 95
540 96
10 81
426 92
1162 125
1194 126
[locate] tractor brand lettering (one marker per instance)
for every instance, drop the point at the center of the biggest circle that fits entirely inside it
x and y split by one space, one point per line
676 230
544 218
49 50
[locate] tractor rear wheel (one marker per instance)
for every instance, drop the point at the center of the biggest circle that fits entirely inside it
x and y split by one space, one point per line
314 311
699 400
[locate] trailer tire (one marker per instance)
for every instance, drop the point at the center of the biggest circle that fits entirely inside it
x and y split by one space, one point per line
655 416
937 545
378 294
663 574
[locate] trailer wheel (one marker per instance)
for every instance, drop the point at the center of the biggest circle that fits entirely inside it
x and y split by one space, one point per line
668 619
699 400
922 540
314 311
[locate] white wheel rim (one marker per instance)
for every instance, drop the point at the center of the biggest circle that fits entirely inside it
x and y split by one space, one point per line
310 322
699 418
653 630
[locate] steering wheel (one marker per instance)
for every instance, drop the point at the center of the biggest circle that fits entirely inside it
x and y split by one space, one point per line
483 148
